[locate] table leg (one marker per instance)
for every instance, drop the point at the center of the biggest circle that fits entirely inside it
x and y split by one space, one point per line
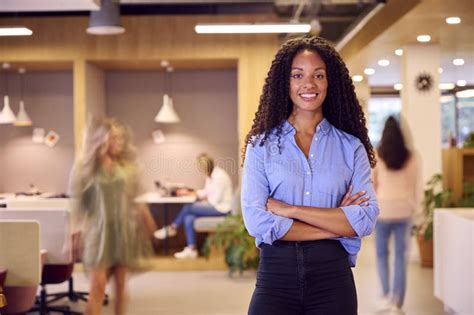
166 240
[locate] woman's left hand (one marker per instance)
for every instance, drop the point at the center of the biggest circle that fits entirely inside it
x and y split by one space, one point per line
280 208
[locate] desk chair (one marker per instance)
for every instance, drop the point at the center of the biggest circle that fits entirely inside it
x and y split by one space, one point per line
55 204
3 276
55 238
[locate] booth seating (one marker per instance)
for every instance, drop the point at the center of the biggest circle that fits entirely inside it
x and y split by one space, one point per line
209 224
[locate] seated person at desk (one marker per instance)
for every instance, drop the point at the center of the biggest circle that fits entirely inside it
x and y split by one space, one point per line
214 200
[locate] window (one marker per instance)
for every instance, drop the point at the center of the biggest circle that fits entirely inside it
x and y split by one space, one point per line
448 118
380 108
458 116
466 118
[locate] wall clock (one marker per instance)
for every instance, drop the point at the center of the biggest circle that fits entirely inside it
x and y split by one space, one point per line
424 82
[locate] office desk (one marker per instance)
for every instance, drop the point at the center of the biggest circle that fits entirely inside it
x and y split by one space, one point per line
153 198
37 201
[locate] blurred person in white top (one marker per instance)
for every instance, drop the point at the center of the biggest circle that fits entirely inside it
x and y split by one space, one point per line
213 200
398 184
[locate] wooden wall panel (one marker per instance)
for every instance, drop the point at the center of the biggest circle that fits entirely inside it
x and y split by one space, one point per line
64 39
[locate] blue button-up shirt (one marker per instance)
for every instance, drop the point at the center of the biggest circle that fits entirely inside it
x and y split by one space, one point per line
336 160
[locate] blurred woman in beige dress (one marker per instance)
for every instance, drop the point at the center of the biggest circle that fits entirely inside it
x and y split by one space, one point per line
104 185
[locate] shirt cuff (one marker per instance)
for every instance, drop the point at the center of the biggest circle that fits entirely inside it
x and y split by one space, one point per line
354 216
280 227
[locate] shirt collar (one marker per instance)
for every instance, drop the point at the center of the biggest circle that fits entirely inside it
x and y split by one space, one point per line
323 126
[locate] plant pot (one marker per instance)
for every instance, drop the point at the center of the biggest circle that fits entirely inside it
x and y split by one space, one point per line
426 251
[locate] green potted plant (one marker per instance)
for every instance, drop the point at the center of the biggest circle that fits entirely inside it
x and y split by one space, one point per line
232 237
434 197
469 141
467 199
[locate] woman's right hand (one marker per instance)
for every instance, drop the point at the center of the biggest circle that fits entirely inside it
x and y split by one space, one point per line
355 199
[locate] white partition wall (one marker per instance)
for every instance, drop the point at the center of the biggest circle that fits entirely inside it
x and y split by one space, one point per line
454 259
23 259
55 236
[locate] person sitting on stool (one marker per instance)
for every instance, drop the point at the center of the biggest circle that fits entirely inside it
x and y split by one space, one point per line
213 200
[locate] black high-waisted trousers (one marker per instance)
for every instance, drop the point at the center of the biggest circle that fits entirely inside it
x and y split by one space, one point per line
310 278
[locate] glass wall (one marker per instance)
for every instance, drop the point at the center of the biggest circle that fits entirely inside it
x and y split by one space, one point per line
466 117
454 116
458 117
448 118
380 108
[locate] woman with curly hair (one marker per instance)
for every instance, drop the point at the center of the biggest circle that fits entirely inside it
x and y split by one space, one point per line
308 149
105 184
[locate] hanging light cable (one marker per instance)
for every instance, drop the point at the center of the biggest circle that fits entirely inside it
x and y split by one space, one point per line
22 118
167 114
7 116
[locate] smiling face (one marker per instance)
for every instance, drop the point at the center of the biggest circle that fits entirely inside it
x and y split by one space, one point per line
308 82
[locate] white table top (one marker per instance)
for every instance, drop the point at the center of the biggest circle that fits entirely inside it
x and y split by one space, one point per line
467 213
154 197
149 197
6 198
13 196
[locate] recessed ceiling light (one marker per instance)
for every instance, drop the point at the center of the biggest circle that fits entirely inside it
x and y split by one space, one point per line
461 82
246 28
369 71
458 62
398 86
465 93
446 86
383 62
357 78
15 31
453 20
423 38
440 70
399 52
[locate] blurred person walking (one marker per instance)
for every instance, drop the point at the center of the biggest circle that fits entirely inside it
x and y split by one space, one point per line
214 200
104 184
398 184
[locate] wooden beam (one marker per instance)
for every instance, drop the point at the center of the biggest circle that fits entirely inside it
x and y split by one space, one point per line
383 20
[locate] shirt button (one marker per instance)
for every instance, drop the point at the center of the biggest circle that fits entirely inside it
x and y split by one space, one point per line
312 155
309 173
316 138
307 193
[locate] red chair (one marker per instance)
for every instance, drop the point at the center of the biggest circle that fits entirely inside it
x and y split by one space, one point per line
20 299
70 294
53 274
3 276
56 238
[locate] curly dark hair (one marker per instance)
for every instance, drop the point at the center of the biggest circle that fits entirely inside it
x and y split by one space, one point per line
392 149
340 107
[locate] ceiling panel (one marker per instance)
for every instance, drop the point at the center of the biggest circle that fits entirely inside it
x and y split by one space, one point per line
455 41
335 17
